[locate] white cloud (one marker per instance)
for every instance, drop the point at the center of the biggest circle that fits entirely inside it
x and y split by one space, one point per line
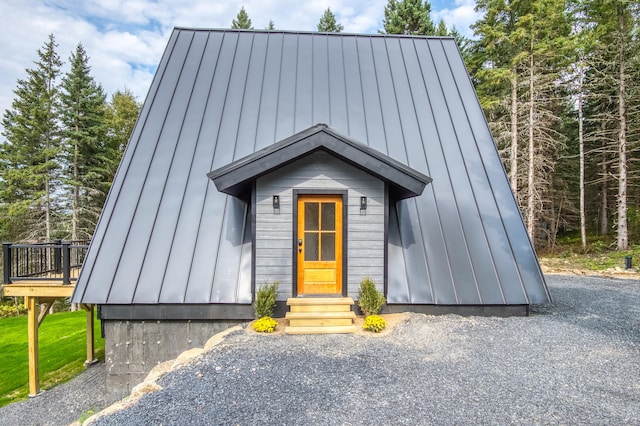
125 38
460 16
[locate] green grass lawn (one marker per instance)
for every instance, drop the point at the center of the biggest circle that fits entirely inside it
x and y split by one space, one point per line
62 352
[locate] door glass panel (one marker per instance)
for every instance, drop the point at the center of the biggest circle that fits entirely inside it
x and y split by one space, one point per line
328 212
310 246
311 216
328 246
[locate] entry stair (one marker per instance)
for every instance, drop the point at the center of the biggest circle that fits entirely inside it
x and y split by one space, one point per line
320 315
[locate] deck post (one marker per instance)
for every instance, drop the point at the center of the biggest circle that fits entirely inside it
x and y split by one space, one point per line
32 333
57 256
6 253
66 262
90 337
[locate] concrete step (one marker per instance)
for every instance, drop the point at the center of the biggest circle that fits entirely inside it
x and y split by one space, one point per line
337 329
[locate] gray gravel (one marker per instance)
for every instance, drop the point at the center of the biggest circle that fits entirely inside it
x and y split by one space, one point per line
576 361
62 404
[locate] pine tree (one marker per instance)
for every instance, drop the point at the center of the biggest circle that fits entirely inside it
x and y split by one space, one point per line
412 17
271 26
614 100
242 20
29 157
441 29
83 116
518 63
328 23
495 69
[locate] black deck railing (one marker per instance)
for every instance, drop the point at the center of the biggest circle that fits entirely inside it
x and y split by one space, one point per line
55 261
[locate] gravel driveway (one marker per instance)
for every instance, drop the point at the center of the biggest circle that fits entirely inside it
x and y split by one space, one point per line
576 361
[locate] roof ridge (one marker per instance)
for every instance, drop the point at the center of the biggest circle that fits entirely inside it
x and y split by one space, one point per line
310 32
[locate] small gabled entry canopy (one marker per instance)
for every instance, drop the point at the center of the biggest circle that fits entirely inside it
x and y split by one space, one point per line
235 178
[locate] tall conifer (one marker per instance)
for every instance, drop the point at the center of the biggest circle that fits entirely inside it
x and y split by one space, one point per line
328 23
83 116
242 20
411 17
28 157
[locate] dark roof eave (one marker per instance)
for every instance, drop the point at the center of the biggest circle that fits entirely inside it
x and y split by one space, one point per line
235 178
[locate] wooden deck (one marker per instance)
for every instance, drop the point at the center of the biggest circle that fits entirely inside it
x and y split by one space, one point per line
37 293
37 289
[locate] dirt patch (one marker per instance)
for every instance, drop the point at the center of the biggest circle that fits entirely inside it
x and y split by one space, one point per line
565 267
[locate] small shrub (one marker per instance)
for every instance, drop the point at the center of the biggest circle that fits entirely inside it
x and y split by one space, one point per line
12 310
370 300
265 325
374 323
266 299
598 246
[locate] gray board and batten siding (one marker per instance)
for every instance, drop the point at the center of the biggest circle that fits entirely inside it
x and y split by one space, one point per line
274 232
167 236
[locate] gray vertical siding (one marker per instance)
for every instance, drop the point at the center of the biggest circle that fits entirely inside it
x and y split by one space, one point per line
274 239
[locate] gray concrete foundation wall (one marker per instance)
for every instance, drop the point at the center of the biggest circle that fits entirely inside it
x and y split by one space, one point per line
133 348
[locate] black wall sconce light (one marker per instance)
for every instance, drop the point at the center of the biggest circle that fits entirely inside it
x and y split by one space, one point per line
276 204
363 205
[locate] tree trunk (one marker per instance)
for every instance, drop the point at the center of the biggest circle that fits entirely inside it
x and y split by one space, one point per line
583 225
76 195
604 199
75 201
47 208
531 174
623 232
513 172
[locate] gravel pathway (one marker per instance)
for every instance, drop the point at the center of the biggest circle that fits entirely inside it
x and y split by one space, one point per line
63 404
576 361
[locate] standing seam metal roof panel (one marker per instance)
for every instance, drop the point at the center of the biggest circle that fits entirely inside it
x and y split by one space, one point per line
167 235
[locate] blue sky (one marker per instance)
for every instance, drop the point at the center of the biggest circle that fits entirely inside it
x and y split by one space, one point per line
125 38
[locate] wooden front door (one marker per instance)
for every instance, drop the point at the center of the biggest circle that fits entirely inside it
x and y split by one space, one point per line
319 244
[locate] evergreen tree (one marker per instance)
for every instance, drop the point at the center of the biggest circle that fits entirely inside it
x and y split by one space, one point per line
613 81
413 17
328 23
271 26
441 29
28 158
242 20
86 173
518 62
408 17
496 76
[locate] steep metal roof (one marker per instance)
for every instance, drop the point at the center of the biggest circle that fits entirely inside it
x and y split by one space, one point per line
235 178
167 235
